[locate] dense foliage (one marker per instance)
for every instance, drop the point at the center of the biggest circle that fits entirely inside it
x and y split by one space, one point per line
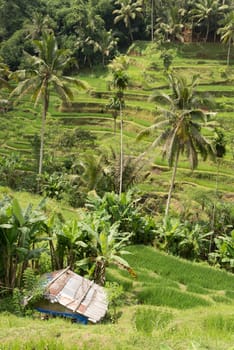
59 37
95 30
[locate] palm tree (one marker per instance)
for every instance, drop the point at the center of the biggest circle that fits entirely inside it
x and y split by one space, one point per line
39 23
220 150
180 127
129 10
171 26
46 75
107 44
120 81
205 11
227 32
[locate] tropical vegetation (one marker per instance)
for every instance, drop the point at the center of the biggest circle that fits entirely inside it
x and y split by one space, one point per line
128 180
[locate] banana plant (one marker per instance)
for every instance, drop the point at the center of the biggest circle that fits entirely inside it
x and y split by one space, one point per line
21 234
108 246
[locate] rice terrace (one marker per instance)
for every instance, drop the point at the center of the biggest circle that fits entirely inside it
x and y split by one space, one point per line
117 175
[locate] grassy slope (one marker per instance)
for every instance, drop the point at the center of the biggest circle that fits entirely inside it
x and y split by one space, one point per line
171 305
146 73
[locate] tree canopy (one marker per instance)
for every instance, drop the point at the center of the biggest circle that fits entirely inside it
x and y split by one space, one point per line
81 25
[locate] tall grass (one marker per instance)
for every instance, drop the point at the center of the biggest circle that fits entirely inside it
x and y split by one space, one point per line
170 297
179 270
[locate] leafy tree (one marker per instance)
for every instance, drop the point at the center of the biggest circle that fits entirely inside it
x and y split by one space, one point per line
11 50
4 74
8 169
46 75
93 39
13 13
128 11
4 83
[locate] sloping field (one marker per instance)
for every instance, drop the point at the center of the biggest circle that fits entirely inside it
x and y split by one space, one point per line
89 112
172 304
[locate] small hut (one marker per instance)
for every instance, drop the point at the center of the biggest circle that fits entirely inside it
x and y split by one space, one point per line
69 295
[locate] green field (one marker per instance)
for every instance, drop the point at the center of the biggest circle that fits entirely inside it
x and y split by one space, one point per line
172 304
88 112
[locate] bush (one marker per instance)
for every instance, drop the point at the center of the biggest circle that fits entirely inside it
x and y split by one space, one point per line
126 211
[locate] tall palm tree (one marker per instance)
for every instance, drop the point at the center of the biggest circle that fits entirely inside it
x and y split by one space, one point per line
205 11
128 11
220 149
180 130
46 75
120 81
227 32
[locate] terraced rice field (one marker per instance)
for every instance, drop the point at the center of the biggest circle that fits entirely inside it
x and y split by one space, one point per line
89 112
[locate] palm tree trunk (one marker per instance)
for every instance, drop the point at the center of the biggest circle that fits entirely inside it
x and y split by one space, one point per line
43 125
172 182
207 31
121 151
152 20
214 205
130 31
229 51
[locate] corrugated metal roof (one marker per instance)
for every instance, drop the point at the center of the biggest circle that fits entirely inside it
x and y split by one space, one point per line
77 294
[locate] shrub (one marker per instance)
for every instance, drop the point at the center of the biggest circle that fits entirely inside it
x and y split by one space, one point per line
125 210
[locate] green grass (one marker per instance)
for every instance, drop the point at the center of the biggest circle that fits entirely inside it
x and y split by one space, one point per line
183 272
169 309
89 113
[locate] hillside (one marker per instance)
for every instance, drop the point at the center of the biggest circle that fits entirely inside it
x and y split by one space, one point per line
88 113
172 304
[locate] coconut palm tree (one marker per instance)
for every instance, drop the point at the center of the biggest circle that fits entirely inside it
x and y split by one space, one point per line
171 26
205 11
180 130
46 75
227 32
220 149
120 81
37 25
128 11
